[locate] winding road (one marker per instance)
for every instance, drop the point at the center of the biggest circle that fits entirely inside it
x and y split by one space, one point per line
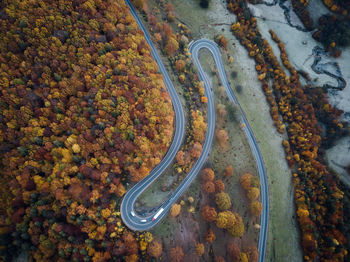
215 51
136 222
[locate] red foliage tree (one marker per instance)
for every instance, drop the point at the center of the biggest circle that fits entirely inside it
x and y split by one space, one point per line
219 185
233 251
209 187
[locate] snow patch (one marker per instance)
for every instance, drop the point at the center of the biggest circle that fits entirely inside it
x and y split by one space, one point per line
298 44
338 158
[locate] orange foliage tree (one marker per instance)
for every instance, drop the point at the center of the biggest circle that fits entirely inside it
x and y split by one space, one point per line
228 171
154 249
209 213
199 249
245 181
252 253
176 254
219 259
209 187
180 65
221 41
210 236
182 158
207 174
222 138
175 210
196 150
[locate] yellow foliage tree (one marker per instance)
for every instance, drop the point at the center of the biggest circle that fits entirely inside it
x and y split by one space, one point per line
243 257
223 200
138 3
199 249
225 219
175 210
252 253
253 193
255 208
171 46
199 126
237 230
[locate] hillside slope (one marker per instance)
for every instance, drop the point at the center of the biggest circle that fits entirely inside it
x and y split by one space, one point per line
83 110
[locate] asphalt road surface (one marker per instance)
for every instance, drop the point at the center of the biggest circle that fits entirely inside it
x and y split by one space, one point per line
141 223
